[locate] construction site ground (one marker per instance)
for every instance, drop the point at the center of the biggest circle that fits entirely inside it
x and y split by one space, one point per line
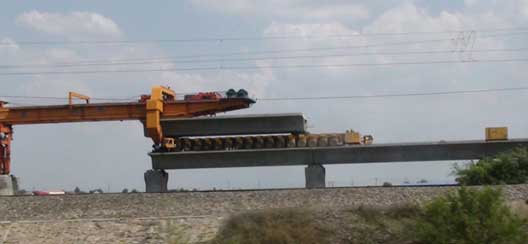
184 217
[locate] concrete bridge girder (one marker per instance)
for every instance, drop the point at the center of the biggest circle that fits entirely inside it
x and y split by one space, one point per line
318 156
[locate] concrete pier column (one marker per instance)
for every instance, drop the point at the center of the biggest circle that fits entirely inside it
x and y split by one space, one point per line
6 185
156 180
315 176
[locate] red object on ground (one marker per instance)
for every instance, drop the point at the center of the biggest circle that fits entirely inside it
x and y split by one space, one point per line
40 193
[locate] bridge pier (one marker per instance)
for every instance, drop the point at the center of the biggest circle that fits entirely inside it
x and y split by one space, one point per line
156 180
8 185
315 175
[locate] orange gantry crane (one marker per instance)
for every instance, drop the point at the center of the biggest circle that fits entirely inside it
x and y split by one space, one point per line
149 109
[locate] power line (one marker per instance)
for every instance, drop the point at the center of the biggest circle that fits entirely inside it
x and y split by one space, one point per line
399 43
299 66
395 95
294 50
255 38
388 95
168 61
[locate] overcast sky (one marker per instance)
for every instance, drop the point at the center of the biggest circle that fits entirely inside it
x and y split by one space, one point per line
237 33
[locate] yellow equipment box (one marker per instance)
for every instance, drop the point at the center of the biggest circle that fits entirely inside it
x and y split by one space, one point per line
352 137
496 133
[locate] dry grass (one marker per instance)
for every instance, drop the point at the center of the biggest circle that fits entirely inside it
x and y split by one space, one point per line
520 208
280 226
390 225
299 226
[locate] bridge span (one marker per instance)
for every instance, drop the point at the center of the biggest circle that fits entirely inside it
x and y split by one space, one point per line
316 157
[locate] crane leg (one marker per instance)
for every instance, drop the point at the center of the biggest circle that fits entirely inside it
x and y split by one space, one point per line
6 135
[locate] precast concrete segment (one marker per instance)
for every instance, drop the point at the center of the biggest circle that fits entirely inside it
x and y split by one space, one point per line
235 125
375 153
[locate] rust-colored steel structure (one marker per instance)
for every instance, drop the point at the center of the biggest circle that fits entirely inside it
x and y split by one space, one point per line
150 109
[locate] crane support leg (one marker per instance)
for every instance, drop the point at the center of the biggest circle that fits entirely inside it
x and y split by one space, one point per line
154 108
6 135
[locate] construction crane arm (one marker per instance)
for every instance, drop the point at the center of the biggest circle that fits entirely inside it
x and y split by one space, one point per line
115 111
150 109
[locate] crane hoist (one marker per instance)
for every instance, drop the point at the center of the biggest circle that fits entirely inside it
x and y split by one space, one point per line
149 109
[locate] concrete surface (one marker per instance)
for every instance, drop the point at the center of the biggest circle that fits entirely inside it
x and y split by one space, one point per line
315 176
235 125
156 180
6 185
394 152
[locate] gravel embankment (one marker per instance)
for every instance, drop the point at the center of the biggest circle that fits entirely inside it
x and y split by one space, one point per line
193 216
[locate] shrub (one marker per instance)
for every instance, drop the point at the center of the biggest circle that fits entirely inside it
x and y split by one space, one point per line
280 226
471 217
505 168
387 184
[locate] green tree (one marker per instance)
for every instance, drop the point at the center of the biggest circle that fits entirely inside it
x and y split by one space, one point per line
505 168
470 216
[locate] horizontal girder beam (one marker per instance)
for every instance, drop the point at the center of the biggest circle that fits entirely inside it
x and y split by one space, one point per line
115 111
375 153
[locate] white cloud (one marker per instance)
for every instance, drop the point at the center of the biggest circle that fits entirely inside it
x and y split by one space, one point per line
289 9
308 30
316 37
470 3
8 46
72 25
345 10
524 7
409 17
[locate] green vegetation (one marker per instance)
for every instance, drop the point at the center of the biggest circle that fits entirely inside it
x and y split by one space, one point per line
466 216
470 216
505 168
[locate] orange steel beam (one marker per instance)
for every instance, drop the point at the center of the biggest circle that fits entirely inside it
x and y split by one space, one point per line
115 111
161 104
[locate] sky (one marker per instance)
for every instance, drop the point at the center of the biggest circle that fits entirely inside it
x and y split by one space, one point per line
273 49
